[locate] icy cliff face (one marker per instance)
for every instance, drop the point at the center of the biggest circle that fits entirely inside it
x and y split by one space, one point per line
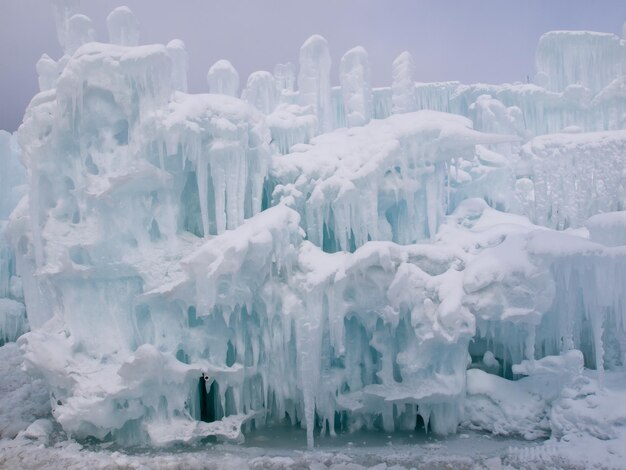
334 258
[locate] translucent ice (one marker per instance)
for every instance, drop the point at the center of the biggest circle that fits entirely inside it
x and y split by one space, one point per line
123 27
79 31
587 58
178 54
314 80
223 78
403 84
261 91
354 75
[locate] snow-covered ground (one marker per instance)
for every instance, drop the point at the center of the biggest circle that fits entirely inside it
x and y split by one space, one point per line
30 440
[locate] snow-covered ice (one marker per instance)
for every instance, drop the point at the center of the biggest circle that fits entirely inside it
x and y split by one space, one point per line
434 262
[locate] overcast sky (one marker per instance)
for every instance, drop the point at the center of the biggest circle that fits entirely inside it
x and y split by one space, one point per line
467 40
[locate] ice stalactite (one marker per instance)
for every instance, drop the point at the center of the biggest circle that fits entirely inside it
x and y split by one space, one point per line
314 80
588 309
383 181
574 176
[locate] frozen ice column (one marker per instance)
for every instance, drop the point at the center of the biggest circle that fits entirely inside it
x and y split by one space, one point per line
261 91
48 72
314 80
223 78
178 54
354 76
63 11
123 27
79 31
403 86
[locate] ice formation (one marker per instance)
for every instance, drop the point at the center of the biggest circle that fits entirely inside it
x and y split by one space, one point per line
403 84
13 321
354 77
223 78
314 80
123 27
336 258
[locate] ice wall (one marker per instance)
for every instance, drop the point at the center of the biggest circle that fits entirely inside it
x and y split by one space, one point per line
585 58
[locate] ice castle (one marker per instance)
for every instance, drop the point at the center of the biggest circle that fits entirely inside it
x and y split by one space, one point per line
282 250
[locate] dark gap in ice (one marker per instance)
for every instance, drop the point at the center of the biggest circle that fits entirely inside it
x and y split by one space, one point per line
91 167
120 132
210 403
329 242
155 232
231 354
192 318
79 255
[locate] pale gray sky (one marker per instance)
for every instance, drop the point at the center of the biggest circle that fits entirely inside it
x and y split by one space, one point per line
468 40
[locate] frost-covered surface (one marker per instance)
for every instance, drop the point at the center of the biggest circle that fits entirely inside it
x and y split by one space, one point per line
24 399
338 260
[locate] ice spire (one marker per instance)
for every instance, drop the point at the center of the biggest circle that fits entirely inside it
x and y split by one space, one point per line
354 76
314 80
79 31
285 76
223 78
403 85
63 11
178 54
123 27
48 72
261 91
